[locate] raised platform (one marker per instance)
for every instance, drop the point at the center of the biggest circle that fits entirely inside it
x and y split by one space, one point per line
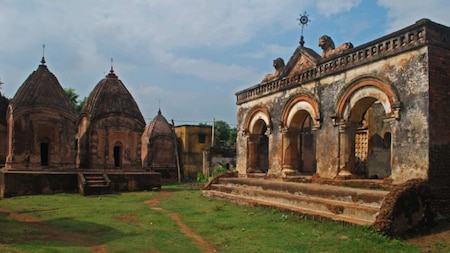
27 182
393 210
349 205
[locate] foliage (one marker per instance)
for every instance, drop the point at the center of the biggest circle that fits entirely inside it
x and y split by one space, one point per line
202 178
233 136
224 135
73 97
218 170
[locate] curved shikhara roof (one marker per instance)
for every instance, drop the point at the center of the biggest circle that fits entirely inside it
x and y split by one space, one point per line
42 89
158 127
109 97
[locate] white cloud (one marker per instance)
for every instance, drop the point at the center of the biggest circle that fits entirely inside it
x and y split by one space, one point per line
402 14
213 71
330 7
268 50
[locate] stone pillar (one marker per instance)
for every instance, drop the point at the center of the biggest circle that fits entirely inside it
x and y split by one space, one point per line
347 132
289 150
252 153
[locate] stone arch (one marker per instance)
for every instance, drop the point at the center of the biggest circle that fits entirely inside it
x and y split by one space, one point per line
300 119
257 128
253 120
363 88
365 112
301 103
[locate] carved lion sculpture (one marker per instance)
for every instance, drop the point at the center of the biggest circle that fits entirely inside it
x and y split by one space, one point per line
327 45
278 64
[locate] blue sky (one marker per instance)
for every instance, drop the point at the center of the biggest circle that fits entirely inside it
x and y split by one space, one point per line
187 57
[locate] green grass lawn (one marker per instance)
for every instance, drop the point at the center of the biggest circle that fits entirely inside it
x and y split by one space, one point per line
124 223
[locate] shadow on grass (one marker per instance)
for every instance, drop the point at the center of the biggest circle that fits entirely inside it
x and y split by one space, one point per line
62 232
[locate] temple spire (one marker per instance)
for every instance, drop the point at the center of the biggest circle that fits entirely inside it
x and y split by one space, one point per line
111 72
43 55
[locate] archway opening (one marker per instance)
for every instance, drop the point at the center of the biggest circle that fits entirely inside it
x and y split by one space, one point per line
300 152
258 148
369 138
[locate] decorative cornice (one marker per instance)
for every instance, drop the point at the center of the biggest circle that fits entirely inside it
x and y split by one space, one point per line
423 32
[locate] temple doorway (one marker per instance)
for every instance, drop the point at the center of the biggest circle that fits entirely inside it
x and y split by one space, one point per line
44 151
368 134
118 156
300 155
258 148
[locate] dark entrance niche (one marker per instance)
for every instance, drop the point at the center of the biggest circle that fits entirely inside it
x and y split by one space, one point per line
44 154
258 148
117 156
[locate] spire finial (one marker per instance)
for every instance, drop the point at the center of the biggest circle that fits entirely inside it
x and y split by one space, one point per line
43 55
159 109
111 72
303 21
112 66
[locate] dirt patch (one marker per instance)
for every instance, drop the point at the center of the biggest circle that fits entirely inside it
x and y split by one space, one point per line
434 240
127 218
202 243
51 234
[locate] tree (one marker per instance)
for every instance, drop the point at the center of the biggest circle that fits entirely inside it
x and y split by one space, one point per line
233 136
225 136
73 97
81 104
222 133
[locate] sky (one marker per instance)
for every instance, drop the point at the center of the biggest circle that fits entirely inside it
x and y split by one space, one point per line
185 57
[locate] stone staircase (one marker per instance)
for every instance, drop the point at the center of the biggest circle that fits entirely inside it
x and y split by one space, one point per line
317 201
94 183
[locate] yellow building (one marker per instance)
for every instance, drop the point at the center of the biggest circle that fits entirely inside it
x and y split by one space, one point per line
192 140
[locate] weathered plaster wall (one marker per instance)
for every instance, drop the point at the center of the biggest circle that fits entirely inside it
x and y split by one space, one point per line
405 74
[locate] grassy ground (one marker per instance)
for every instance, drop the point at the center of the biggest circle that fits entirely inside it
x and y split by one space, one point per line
178 222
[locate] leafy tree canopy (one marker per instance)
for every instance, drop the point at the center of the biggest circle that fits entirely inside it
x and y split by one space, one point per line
73 97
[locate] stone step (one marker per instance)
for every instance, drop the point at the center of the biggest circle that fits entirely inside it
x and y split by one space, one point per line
96 181
339 203
343 209
358 196
94 184
310 213
93 177
98 186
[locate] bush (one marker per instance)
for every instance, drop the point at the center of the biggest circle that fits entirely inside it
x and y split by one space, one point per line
203 179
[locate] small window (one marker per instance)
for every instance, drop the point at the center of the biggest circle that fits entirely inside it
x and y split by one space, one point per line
201 138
